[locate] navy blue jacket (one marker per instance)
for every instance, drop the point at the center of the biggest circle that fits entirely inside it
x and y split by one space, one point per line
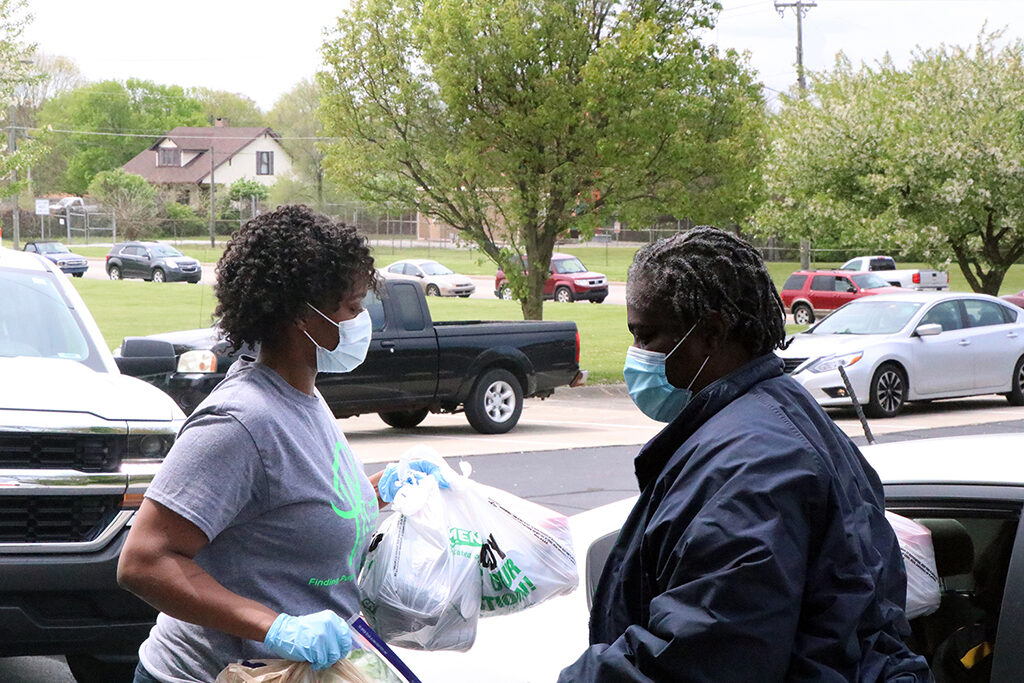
757 551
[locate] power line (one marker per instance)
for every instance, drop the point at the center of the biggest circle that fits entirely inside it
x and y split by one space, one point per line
204 138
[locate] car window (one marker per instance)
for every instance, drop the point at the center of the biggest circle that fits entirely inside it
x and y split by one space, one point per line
882 264
851 265
795 282
865 316
36 321
1009 315
134 251
823 283
410 269
407 301
433 268
843 284
983 313
397 268
567 266
946 314
869 281
373 304
163 251
30 247
52 248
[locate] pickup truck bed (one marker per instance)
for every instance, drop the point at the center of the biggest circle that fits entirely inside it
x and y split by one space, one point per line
414 366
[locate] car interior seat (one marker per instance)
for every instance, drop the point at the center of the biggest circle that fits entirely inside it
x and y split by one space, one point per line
954 563
988 316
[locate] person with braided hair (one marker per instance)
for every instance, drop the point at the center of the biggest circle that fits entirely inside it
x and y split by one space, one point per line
758 549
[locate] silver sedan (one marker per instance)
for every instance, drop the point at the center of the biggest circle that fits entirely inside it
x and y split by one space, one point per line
916 346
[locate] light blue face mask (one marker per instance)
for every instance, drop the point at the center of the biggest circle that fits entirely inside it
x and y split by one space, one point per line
648 386
353 343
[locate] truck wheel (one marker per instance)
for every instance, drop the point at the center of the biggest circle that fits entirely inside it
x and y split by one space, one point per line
563 295
1016 395
888 391
78 274
496 402
802 314
114 273
158 275
597 301
404 419
432 290
89 669
505 292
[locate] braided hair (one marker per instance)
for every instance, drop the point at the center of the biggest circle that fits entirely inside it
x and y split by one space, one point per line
691 274
279 261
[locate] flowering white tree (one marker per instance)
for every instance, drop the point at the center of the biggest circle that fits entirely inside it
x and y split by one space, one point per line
927 160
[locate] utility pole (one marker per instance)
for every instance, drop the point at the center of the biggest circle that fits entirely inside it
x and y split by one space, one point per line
12 146
213 223
800 8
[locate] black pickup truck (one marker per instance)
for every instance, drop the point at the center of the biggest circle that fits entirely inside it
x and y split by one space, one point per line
414 365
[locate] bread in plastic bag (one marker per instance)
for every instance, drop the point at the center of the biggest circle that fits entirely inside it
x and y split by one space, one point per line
420 581
361 666
923 590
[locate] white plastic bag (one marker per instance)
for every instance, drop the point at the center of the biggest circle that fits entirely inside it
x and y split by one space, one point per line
923 590
420 582
527 555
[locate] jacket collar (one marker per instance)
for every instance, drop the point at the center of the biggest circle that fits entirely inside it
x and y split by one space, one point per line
704 405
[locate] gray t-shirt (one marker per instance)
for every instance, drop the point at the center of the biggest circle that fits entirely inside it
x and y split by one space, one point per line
264 471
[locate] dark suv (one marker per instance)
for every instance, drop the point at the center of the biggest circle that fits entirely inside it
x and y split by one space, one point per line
152 261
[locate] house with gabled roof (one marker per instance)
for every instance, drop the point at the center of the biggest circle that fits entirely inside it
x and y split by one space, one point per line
185 158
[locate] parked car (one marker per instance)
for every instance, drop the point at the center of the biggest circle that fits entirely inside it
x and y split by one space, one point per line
968 491
1015 299
812 293
914 346
568 280
152 261
909 278
66 260
79 444
414 365
436 279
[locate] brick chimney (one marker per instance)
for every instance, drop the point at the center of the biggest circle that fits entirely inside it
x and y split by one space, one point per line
220 122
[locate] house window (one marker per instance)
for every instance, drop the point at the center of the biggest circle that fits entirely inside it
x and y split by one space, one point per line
169 156
264 163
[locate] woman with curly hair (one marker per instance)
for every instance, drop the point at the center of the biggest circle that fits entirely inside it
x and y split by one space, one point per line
251 534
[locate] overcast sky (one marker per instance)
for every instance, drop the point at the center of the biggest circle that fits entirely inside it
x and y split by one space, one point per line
260 48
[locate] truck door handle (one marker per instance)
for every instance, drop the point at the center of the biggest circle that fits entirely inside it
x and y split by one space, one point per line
964 342
390 346
1011 335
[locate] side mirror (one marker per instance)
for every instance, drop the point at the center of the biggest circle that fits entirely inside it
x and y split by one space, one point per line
928 330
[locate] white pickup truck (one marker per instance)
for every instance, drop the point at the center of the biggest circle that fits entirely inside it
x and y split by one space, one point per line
909 278
79 443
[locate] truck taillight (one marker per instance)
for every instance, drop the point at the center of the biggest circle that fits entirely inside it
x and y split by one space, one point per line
577 348
916 278
107 257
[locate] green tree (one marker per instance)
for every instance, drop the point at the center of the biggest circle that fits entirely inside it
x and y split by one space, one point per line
514 122
927 160
96 127
248 193
237 109
129 197
294 117
17 78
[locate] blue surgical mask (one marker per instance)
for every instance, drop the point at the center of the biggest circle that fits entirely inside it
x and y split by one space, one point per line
648 386
353 343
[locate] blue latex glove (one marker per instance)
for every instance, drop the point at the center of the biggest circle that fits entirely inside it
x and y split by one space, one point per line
320 639
390 482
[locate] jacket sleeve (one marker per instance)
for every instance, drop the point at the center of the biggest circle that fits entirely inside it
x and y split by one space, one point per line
727 583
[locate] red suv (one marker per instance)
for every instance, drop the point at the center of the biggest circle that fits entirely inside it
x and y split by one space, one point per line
568 280
810 293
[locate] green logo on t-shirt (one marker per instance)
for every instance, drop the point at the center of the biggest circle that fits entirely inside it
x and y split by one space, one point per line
351 503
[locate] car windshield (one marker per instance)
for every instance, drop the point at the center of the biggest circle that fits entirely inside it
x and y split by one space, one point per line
162 250
434 268
567 266
51 248
869 281
35 320
865 316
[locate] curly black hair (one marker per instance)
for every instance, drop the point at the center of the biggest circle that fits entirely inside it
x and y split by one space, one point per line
691 274
277 262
